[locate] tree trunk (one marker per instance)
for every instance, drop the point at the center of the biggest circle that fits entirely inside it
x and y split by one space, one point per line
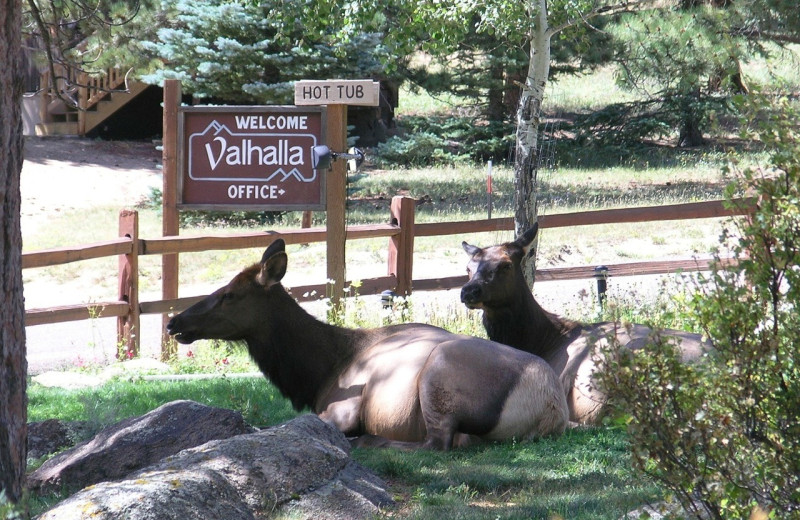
13 367
691 133
496 110
526 159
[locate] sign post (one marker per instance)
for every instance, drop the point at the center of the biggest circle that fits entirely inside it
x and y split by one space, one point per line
169 210
336 95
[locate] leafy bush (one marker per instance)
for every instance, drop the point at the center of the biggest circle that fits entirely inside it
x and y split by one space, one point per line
723 435
446 140
9 510
422 149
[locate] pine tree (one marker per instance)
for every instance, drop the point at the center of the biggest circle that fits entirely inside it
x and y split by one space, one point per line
247 53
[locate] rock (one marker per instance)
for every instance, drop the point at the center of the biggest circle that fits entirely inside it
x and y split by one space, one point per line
46 437
135 443
299 469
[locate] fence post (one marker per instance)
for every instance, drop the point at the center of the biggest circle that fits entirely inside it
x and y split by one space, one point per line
128 326
169 210
401 246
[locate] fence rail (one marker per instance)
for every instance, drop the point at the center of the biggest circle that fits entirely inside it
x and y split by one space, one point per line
401 231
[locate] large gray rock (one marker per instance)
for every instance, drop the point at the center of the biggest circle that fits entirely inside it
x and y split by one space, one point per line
301 468
135 443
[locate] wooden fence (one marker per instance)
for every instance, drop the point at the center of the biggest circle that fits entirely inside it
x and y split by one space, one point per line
401 231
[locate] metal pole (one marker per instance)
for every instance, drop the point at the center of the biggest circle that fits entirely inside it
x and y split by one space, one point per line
601 275
489 191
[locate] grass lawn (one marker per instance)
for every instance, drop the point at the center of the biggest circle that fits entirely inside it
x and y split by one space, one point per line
584 474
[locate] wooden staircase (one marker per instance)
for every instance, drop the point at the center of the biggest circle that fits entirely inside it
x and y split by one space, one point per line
98 98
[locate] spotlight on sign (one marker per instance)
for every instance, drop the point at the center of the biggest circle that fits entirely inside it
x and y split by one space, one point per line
322 157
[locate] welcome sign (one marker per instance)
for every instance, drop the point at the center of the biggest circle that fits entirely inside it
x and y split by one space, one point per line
251 157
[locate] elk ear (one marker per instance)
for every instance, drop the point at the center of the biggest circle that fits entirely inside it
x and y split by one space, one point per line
273 269
273 263
278 246
470 249
525 240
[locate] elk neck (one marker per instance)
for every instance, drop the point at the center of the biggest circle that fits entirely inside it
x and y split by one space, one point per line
299 353
525 325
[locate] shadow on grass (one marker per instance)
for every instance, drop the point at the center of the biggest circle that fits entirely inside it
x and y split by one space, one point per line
582 475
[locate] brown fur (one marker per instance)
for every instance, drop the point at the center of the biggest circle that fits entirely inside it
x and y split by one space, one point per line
513 317
410 385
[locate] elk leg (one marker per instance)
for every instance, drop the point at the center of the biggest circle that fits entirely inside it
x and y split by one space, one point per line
344 415
436 403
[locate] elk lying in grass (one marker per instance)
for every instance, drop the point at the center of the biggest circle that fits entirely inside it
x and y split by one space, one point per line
513 317
409 385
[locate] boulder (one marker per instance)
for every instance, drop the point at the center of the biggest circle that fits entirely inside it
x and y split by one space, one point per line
299 469
46 437
135 443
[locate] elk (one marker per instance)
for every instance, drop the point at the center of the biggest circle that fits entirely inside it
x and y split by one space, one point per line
512 316
407 386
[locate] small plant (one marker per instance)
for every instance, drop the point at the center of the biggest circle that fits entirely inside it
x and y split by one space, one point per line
213 357
9 510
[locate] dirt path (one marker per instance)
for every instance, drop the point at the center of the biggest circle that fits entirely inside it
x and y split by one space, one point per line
61 174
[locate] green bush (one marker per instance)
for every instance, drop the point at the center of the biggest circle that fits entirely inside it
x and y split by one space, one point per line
9 510
627 125
445 141
723 435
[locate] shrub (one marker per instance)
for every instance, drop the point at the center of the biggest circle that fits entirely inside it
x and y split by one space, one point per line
627 125
446 141
723 435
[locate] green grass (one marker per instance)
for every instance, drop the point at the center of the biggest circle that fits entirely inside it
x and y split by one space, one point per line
259 402
585 92
583 474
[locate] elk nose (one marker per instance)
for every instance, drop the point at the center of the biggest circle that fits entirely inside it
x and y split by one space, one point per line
470 293
172 323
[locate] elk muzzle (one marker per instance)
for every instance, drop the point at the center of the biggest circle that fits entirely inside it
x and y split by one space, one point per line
177 329
472 295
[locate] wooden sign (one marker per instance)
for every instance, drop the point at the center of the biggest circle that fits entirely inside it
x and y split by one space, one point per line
363 92
250 157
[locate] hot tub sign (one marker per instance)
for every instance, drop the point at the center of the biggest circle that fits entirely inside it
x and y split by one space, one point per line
246 157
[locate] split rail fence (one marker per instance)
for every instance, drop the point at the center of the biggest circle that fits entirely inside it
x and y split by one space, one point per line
401 231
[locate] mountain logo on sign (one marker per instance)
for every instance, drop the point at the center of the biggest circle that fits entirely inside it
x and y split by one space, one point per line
294 172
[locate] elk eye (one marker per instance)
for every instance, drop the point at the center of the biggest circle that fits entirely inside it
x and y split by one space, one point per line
228 296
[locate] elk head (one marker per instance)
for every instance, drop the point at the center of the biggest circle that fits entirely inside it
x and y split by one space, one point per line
494 272
236 311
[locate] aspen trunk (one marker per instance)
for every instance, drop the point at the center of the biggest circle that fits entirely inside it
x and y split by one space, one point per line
526 162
